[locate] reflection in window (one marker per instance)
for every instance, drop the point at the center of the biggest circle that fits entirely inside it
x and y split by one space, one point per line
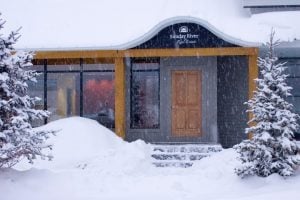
145 95
99 97
75 89
63 95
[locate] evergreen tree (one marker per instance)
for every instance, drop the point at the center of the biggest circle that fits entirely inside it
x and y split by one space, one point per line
17 137
272 149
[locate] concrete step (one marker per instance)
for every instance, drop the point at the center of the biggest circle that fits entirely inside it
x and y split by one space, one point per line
183 155
188 148
173 164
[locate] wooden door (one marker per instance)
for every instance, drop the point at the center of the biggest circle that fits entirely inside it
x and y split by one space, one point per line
186 103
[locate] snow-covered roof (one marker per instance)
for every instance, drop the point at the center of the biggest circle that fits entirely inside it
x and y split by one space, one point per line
116 24
264 3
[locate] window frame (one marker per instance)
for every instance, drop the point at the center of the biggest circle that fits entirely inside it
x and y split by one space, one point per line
292 61
144 61
80 71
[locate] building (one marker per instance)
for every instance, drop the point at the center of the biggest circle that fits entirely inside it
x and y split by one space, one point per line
184 81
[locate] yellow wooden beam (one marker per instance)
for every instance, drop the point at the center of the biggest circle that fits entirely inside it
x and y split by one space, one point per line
120 97
224 51
71 61
75 54
252 74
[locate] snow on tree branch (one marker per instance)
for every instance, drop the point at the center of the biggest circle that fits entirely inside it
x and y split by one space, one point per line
273 148
17 137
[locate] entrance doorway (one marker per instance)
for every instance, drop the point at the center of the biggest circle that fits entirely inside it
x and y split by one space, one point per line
186 103
186 100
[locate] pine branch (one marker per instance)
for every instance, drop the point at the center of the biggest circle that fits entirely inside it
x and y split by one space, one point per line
272 148
17 137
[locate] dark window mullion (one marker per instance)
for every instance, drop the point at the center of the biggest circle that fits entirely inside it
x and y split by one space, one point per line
131 94
81 88
104 70
45 88
78 71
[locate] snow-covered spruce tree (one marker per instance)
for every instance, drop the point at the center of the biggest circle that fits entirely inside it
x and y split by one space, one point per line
17 137
272 148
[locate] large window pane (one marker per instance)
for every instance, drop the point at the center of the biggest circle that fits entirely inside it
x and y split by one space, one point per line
296 102
295 84
36 89
63 95
99 97
293 80
292 67
145 95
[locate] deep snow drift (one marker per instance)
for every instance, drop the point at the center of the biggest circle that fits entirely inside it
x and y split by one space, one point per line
81 140
90 162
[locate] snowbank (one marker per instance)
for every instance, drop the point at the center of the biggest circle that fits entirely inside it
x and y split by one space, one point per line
80 140
210 179
91 163
106 24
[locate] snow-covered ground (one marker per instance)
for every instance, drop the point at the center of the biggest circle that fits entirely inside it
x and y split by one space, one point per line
90 162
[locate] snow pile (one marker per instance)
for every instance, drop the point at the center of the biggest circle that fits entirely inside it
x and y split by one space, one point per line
211 179
91 163
82 141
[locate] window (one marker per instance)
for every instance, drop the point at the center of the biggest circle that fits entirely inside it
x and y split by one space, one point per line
145 94
63 95
36 89
99 94
73 88
293 80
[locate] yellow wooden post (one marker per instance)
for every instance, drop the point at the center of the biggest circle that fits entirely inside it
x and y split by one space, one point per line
252 74
120 97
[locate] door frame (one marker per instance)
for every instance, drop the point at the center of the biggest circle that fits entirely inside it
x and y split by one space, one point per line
209 74
163 134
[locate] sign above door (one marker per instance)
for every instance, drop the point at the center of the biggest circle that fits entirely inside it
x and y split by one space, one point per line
184 35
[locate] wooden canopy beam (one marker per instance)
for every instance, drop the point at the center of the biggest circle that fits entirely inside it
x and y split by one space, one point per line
75 54
224 51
